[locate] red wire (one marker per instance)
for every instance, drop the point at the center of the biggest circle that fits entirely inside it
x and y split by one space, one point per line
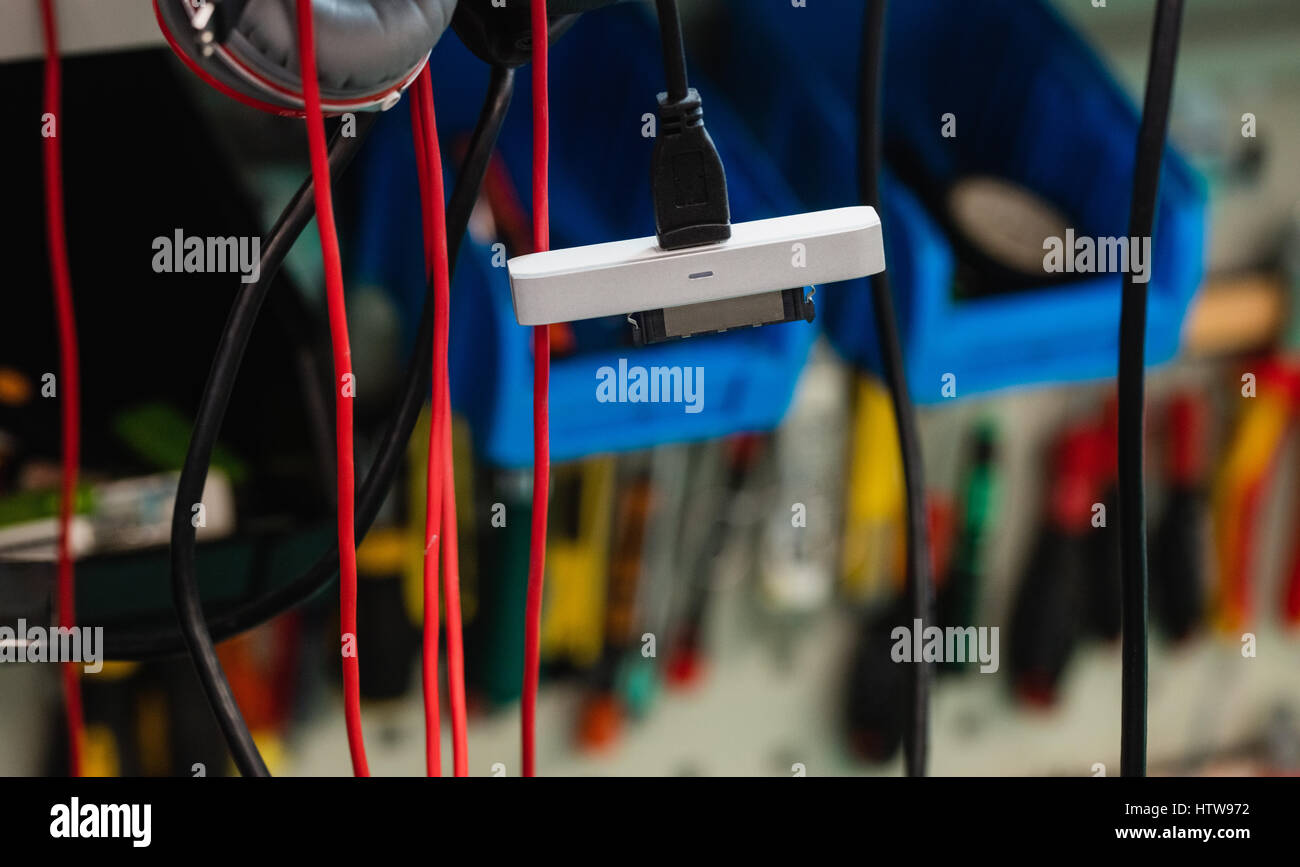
437 262
440 495
451 597
428 164
541 388
69 379
429 637
344 382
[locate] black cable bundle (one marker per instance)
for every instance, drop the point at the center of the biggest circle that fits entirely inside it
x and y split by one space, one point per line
161 639
207 426
194 629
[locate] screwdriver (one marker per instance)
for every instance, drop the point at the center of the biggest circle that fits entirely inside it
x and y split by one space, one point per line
960 592
874 703
877 680
578 551
1045 623
736 460
1240 484
601 717
1177 548
498 631
1104 588
1291 592
873 547
1291 598
670 477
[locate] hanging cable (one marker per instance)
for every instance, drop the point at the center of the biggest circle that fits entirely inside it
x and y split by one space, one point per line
69 378
674 49
691 207
212 407
1132 337
451 602
440 492
344 384
429 618
429 166
220 385
160 639
541 388
919 588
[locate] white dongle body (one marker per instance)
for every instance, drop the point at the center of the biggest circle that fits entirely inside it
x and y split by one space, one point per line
761 257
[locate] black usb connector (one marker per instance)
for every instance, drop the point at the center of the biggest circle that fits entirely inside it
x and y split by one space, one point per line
687 179
689 186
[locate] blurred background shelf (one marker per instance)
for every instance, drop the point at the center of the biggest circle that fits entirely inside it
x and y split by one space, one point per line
85 26
766 688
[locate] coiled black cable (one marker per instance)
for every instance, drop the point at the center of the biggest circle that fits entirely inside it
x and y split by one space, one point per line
216 397
919 588
207 426
143 641
1132 361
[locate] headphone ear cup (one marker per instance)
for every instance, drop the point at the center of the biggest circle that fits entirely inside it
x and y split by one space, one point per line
367 51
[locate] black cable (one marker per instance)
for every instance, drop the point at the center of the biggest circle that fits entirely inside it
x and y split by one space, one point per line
670 37
216 397
1132 338
691 206
140 641
207 425
919 590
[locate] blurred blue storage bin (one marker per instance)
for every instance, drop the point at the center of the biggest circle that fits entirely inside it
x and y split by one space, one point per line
1032 104
604 76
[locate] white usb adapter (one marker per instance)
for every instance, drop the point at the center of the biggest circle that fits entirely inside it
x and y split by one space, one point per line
760 258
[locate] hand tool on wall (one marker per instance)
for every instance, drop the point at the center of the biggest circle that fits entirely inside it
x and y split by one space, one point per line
602 713
959 595
723 479
1241 484
873 511
1104 586
1045 620
573 628
496 667
1178 548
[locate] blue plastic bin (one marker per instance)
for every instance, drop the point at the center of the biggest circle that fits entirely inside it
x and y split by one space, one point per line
1033 105
604 76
